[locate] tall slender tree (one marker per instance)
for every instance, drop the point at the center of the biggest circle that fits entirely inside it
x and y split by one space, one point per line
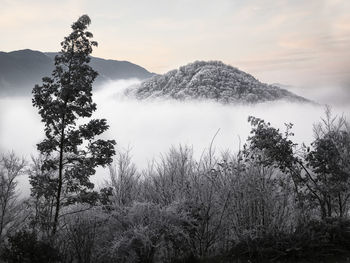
69 149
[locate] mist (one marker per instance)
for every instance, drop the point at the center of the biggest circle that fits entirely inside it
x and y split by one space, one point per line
150 128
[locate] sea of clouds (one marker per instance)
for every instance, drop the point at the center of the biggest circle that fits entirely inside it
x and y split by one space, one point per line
150 128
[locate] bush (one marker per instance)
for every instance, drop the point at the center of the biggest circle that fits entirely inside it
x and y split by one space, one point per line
314 240
25 247
151 233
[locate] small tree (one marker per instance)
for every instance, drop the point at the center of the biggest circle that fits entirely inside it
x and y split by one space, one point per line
320 173
329 158
70 149
124 180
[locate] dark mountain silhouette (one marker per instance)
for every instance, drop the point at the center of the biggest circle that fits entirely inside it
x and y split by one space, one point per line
211 80
21 70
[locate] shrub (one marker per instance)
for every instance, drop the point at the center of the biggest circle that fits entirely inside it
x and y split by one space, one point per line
25 247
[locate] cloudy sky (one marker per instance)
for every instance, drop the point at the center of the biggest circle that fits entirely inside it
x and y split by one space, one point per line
294 42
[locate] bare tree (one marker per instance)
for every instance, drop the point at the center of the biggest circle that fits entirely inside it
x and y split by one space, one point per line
11 167
123 179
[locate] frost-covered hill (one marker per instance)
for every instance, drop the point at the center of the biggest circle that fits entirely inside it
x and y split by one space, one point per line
212 80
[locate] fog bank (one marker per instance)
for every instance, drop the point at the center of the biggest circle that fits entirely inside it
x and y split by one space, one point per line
150 128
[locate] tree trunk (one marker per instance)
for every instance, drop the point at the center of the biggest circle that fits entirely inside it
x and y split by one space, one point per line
60 179
340 206
323 210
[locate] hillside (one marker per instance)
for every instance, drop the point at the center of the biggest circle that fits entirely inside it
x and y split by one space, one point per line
211 80
21 70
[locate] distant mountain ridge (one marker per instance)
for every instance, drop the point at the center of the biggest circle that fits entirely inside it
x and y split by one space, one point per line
211 80
20 70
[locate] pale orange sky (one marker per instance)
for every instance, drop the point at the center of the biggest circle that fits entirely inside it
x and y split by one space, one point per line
296 42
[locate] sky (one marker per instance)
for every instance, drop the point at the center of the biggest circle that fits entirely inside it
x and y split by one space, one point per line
292 42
